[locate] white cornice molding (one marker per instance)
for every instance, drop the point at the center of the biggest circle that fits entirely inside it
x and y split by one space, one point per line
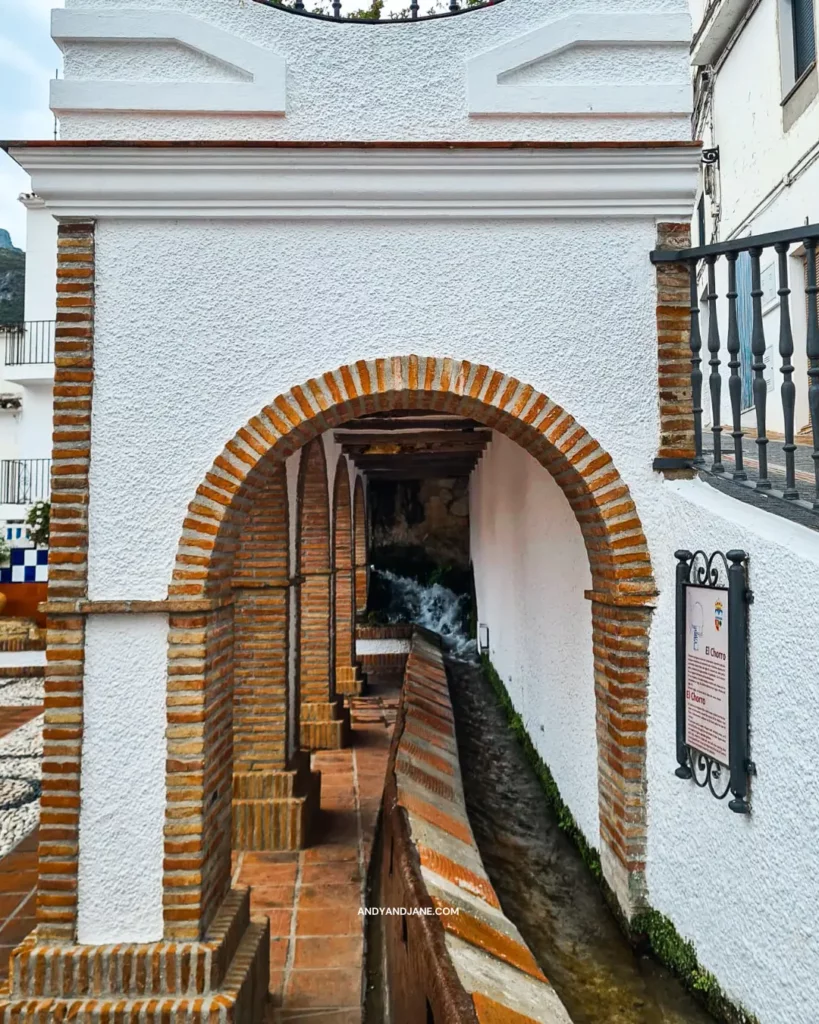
489 95
721 21
264 92
283 183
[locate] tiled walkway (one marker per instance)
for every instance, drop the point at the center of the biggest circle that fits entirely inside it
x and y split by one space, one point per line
313 897
18 890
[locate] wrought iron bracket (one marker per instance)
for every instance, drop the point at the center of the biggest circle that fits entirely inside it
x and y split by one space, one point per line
710 156
660 465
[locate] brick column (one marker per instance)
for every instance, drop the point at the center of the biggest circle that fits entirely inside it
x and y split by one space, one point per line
222 969
68 583
360 548
324 722
275 798
676 448
620 640
348 678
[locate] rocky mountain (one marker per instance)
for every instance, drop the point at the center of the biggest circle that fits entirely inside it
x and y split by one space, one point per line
12 279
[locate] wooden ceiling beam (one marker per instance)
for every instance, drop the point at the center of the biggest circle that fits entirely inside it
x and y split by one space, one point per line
404 424
468 438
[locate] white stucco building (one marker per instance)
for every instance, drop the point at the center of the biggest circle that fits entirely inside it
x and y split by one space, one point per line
757 110
27 378
272 224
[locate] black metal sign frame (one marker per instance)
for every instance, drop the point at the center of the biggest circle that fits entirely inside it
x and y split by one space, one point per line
726 572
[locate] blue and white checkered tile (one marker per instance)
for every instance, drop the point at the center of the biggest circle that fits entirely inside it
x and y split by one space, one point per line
26 565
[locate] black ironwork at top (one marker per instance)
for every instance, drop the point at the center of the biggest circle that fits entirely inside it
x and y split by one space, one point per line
749 460
370 13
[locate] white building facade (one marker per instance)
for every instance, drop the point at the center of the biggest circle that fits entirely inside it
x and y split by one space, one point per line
28 378
455 214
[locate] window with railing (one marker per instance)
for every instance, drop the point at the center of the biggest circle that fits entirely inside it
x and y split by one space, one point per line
749 343
24 481
29 342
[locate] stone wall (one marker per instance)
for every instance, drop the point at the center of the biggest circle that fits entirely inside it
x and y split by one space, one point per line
427 516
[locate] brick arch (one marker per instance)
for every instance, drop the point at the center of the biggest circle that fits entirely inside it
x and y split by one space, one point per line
606 514
622 579
343 602
361 557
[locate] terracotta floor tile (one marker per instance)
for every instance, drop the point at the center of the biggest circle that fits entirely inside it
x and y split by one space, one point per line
280 919
269 858
278 953
320 1016
328 853
269 874
312 897
342 951
276 986
329 921
272 896
338 873
313 989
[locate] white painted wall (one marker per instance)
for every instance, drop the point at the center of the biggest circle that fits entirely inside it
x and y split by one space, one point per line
41 261
745 890
359 81
122 788
347 298
531 569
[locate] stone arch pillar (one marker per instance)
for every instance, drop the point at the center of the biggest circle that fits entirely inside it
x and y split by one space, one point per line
275 795
348 679
360 547
325 724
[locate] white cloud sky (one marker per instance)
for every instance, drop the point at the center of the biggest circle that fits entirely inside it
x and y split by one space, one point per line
28 59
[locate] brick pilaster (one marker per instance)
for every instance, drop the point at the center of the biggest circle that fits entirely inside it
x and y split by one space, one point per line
68 582
673 350
275 798
315 629
620 640
360 547
348 680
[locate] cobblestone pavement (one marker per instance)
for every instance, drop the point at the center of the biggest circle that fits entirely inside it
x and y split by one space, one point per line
313 897
21 750
20 755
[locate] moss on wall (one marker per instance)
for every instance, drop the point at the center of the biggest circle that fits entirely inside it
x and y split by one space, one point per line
649 931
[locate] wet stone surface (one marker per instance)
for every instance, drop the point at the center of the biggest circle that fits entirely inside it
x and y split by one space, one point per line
543 885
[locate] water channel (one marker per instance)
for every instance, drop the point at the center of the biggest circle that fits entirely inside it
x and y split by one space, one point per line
541 881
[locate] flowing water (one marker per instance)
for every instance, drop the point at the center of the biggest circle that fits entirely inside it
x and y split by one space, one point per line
542 883
434 607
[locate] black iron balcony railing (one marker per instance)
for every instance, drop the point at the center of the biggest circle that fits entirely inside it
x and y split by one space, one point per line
779 462
24 481
29 342
369 12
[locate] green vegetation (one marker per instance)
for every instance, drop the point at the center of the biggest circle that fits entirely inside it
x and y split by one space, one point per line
373 11
38 521
649 930
12 284
565 818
